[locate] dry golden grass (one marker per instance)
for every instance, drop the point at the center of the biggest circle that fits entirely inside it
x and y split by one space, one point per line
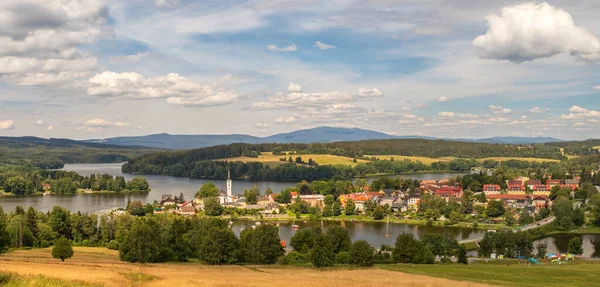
423 159
102 267
530 159
321 159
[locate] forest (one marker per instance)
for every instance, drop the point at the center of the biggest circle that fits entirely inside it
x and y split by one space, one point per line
23 180
54 153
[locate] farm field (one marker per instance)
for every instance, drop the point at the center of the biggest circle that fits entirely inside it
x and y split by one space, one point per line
423 159
94 266
530 159
321 159
511 273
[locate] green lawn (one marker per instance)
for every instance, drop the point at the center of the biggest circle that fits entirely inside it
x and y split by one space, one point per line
510 273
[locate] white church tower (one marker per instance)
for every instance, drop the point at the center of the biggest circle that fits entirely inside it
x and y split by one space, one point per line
229 192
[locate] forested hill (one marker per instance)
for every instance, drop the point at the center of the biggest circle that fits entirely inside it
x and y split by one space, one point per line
406 147
200 163
53 153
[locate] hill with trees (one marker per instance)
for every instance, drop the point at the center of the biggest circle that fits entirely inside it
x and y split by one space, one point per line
54 153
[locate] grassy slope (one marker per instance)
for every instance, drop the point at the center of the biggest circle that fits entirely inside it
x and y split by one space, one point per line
510 273
423 159
100 266
321 159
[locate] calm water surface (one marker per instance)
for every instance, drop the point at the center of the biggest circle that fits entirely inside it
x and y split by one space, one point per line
373 232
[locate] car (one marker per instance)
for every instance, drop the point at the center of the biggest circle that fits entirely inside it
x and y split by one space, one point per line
538 224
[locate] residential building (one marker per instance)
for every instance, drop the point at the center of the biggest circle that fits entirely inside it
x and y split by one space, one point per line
514 182
313 199
516 189
552 182
386 200
532 183
413 201
491 189
186 210
512 200
448 192
264 200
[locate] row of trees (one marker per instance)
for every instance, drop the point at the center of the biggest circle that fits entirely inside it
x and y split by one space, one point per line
27 181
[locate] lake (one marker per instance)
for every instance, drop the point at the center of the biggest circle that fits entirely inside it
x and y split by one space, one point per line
373 232
160 184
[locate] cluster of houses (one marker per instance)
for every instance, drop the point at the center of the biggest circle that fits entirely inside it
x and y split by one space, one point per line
520 193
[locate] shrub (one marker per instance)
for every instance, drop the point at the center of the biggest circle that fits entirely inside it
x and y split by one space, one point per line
62 249
294 257
343 258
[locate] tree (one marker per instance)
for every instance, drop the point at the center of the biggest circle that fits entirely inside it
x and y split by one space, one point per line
268 191
60 222
509 218
261 245
284 197
595 202
541 250
578 217
219 246
410 250
462 254
251 195
336 208
563 210
495 208
140 244
339 238
350 207
525 217
138 184
303 240
208 190
378 213
212 206
466 202
362 254
322 255
575 246
62 249
4 236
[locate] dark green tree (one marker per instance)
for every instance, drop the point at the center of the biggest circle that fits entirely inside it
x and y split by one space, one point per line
339 238
362 254
208 190
322 255
261 245
212 206
575 246
62 249
350 207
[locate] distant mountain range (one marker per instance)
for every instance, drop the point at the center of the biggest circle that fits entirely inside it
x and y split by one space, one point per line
320 134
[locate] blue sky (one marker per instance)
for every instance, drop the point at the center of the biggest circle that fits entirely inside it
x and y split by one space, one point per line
439 68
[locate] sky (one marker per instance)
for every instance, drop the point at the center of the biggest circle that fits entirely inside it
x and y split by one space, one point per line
86 69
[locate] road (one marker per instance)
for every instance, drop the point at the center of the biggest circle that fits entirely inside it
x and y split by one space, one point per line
522 228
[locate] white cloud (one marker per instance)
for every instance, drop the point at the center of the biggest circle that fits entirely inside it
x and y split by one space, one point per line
7 125
597 88
446 114
524 117
261 125
443 99
40 40
409 116
177 89
102 123
39 122
499 110
498 119
166 3
537 110
50 128
129 58
369 93
323 46
530 31
275 48
294 88
577 112
284 120
468 116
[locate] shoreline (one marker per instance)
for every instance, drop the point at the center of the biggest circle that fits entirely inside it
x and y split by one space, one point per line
79 191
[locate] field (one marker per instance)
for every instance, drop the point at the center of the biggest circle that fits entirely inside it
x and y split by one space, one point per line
423 159
321 159
101 267
530 159
510 273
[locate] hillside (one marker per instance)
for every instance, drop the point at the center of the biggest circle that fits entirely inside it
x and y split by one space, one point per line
314 135
182 142
53 153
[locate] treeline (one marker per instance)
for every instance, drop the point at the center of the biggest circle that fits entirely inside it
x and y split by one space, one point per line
54 153
581 148
407 147
22 180
209 169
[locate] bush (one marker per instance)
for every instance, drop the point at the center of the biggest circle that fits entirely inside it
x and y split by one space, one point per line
62 249
112 245
294 257
343 258
361 254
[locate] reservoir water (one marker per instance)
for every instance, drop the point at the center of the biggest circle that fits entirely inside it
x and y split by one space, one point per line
373 232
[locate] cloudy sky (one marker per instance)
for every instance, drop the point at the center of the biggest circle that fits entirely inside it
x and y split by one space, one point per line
447 68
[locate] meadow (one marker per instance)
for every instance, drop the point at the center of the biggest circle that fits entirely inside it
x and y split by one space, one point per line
321 159
91 266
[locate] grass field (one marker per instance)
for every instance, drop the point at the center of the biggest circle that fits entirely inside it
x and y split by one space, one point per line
510 273
530 159
423 159
101 267
321 159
